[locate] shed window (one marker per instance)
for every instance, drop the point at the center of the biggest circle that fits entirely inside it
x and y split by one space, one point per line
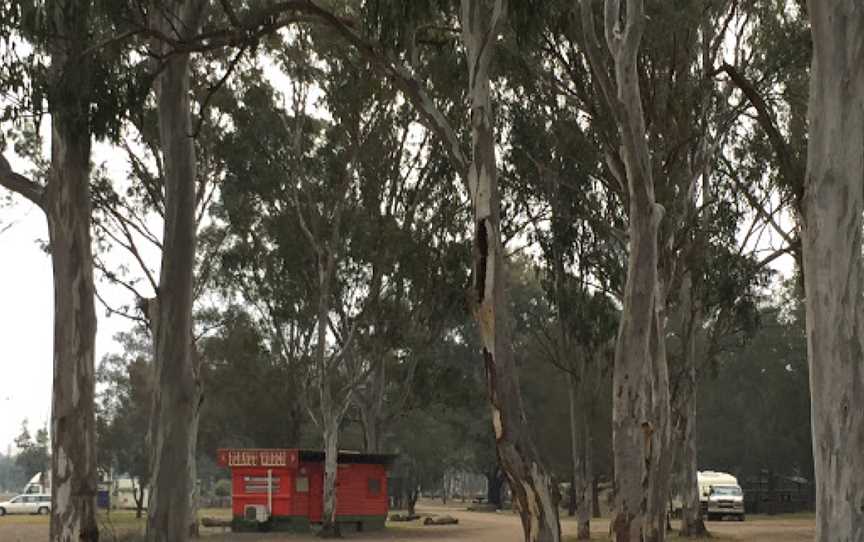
374 485
301 484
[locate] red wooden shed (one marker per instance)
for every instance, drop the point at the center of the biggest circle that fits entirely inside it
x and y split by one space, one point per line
282 489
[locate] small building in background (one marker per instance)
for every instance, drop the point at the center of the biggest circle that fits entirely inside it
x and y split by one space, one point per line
771 493
282 489
124 491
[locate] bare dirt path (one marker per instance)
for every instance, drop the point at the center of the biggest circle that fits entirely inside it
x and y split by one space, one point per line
473 526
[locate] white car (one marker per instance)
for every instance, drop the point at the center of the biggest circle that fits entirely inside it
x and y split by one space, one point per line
38 503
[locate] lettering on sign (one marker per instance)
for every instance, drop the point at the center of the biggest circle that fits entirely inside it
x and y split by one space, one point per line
258 458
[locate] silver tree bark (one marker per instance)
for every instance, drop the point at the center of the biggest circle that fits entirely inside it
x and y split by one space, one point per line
66 203
530 483
73 426
176 398
640 425
831 236
692 523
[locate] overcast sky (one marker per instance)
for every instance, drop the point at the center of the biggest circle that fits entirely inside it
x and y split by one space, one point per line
26 322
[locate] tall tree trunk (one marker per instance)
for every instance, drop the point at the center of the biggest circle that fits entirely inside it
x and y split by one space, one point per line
371 407
66 203
639 431
138 494
584 489
495 481
692 523
580 451
177 395
658 496
832 241
330 528
574 445
67 206
517 453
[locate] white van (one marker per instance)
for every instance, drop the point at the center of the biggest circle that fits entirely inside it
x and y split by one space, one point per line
36 503
720 495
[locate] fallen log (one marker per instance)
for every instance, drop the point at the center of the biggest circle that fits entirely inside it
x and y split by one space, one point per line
443 520
215 522
404 517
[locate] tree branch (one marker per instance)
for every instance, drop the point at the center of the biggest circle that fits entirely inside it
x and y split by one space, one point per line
20 184
765 118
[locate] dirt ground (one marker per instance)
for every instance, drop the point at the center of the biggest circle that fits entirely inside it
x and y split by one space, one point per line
473 526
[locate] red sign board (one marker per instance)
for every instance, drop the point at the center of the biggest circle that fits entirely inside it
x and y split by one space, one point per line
247 457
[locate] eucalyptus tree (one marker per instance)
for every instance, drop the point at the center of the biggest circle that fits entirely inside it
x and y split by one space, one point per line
176 397
339 232
554 165
51 54
397 33
831 230
672 134
124 410
641 407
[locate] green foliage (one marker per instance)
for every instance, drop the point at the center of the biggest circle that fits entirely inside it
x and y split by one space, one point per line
251 398
33 454
222 488
91 73
754 408
123 416
12 476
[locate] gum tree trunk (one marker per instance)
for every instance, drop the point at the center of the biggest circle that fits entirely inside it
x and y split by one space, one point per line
330 529
66 203
177 396
372 408
832 241
530 483
67 206
661 417
639 430
692 523
580 443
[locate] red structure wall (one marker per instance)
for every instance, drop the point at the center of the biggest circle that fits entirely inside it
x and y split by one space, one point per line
297 479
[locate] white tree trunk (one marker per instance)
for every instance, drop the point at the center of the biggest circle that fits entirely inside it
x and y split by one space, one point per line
517 453
832 242
177 395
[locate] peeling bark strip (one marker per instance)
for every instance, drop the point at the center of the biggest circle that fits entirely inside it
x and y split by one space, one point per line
176 398
833 204
517 455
